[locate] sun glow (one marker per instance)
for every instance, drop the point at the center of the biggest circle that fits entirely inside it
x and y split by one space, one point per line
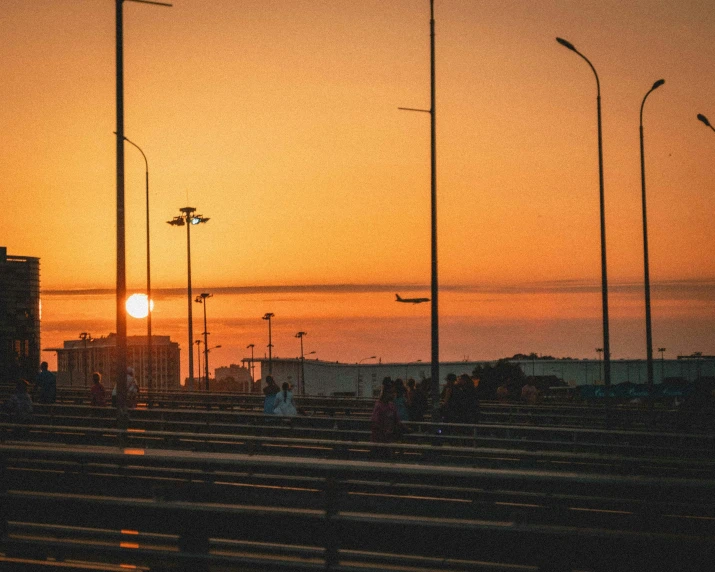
137 306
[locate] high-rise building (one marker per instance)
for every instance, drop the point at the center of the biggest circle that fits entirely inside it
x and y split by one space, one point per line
78 359
19 316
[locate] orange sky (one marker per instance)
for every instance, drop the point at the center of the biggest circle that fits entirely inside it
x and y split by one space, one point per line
279 121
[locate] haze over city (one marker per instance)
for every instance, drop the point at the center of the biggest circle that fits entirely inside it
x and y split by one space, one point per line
279 121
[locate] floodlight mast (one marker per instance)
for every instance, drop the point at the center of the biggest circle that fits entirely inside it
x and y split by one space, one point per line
188 219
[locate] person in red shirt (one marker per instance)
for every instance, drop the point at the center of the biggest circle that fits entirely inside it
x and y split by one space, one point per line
97 395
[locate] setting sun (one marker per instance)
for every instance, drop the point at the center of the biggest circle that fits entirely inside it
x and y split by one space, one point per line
137 306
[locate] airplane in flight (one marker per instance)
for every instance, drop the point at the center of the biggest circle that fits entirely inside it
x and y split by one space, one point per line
411 300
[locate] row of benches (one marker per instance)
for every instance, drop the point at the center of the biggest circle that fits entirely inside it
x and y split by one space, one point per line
572 439
165 510
502 454
567 415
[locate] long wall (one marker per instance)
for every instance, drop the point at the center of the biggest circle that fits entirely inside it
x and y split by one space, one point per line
363 380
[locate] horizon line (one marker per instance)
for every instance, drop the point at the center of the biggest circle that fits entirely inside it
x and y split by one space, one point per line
554 286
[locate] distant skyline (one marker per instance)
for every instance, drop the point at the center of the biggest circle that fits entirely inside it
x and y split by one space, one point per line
278 120
348 323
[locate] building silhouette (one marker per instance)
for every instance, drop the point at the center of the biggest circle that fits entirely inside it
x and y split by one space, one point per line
19 316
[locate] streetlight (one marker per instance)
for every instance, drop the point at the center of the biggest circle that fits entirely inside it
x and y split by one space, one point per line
188 218
85 337
121 282
201 299
301 385
359 378
206 351
268 316
148 270
198 360
250 366
662 364
599 351
704 119
408 364
433 202
604 278
648 331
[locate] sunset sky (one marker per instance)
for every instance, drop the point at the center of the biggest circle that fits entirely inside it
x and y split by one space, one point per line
278 120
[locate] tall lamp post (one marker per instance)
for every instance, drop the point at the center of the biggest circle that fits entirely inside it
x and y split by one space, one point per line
301 385
148 272
599 351
250 365
433 208
604 278
201 299
662 364
188 219
198 361
411 363
207 350
268 316
85 337
648 330
121 281
359 379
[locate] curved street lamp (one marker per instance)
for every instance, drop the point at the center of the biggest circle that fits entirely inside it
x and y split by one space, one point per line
148 272
604 279
188 218
648 330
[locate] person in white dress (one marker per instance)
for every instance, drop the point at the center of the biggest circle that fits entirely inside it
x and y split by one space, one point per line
284 402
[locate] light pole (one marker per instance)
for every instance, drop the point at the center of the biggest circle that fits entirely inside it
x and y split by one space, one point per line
301 385
359 379
599 351
85 337
198 361
121 281
433 208
410 363
604 278
662 364
188 219
268 316
648 330
206 352
148 272
250 365
201 299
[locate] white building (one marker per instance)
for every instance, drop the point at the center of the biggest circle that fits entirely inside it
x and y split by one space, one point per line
364 380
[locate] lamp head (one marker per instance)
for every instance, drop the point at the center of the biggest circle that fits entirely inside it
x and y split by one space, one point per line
566 44
704 119
176 221
657 84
